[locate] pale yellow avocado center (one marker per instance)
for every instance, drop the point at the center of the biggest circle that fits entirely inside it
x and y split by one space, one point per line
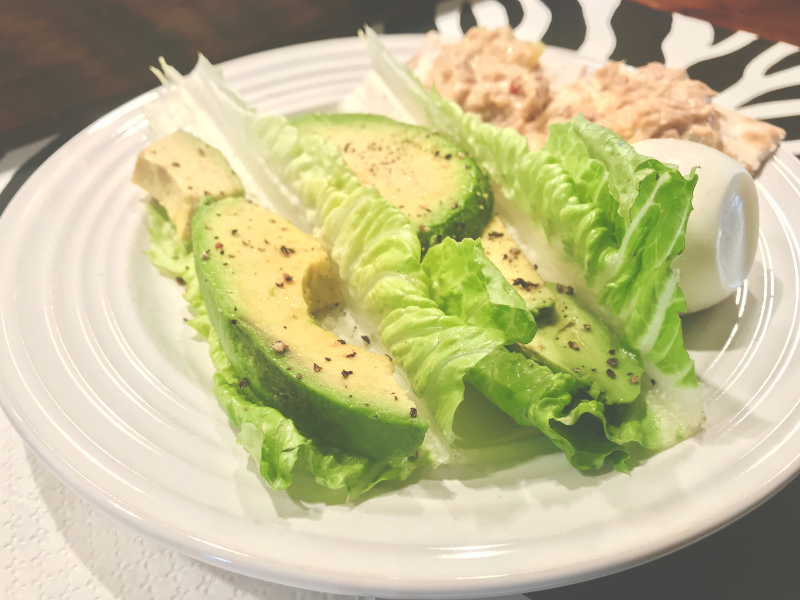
276 276
417 182
507 256
178 171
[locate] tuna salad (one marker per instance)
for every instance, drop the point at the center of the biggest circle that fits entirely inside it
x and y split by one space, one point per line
500 78
490 73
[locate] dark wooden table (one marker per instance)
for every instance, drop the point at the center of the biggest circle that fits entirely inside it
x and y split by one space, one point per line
66 62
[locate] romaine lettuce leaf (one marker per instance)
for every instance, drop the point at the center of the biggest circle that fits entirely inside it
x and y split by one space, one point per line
467 285
372 243
378 256
533 395
271 439
617 217
437 351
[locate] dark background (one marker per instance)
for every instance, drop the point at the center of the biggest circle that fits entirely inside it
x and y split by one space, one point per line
66 62
755 558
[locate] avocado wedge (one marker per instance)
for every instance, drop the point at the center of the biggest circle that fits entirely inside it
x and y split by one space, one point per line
570 339
573 340
261 277
507 256
430 178
180 169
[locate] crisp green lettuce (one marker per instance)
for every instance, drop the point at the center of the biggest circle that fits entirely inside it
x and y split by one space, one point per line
378 256
616 217
627 245
372 243
535 396
271 439
437 351
468 285
482 313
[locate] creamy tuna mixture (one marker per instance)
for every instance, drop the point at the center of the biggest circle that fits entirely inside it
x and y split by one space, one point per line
492 74
498 77
650 102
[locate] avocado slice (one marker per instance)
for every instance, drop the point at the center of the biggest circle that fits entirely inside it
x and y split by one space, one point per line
427 176
180 169
569 338
572 340
507 256
260 278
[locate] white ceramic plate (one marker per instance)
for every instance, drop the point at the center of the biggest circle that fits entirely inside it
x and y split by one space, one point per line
108 387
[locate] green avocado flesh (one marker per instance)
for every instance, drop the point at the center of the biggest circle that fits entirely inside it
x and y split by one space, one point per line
261 278
572 340
442 191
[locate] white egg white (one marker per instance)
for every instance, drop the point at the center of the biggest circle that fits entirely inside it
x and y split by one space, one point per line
722 233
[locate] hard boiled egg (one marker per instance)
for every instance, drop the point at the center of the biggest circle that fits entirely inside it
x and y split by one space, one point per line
722 233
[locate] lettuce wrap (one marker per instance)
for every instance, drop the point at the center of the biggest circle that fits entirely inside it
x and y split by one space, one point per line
377 255
599 217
